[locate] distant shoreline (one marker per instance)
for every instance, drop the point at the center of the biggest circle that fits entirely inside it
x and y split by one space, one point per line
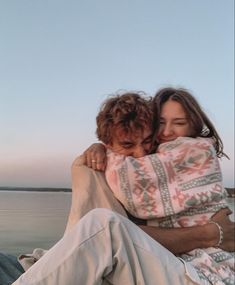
231 191
36 189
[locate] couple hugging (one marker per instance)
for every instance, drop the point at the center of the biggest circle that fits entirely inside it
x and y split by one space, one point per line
162 165
160 157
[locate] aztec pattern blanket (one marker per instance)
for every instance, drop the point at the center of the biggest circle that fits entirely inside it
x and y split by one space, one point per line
179 186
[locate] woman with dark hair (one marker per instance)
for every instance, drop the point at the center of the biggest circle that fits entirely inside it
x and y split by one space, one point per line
200 124
181 184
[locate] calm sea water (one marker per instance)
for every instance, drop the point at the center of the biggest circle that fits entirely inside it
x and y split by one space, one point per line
30 220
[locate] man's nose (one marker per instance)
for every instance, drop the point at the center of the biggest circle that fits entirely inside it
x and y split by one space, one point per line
139 152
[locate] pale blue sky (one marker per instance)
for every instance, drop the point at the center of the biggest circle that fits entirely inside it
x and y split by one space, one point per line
60 59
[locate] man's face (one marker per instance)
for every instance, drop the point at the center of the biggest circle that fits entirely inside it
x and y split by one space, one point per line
136 143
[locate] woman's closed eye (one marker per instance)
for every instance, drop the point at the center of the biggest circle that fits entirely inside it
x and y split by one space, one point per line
180 123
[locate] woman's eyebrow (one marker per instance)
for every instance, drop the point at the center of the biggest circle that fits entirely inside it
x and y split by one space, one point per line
180 119
174 119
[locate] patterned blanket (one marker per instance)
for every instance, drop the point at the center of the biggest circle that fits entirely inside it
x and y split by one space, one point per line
179 186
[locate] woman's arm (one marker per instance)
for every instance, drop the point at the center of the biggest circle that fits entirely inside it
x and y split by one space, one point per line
179 240
90 190
228 227
176 240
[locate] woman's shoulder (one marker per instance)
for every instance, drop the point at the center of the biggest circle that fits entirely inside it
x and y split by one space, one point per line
187 142
190 140
195 140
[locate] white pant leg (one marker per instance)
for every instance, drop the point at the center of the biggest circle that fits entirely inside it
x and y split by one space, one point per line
89 191
106 248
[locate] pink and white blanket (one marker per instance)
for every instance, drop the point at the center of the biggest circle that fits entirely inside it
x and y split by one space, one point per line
179 186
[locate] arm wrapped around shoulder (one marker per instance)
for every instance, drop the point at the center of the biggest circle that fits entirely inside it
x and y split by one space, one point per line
183 175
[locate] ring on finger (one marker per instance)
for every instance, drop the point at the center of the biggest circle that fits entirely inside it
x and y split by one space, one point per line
95 161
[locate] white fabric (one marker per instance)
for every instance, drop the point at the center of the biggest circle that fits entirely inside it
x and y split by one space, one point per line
106 248
90 191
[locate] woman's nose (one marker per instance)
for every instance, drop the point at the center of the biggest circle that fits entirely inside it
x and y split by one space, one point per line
167 130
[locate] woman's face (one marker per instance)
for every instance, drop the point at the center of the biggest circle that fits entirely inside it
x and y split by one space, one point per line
174 122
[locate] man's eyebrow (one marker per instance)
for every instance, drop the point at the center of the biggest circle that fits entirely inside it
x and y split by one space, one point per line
125 142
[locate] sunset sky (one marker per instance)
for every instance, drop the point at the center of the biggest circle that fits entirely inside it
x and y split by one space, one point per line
59 59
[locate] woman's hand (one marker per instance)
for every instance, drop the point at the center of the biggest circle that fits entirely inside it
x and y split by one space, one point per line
95 157
228 227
